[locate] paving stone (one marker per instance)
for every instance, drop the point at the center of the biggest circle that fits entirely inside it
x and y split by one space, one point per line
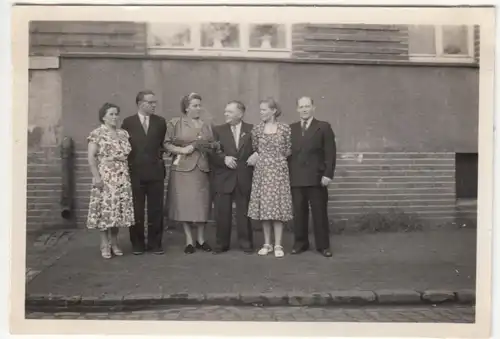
466 296
73 300
398 297
109 300
223 298
352 297
142 299
247 298
176 298
36 299
300 299
438 296
196 298
89 300
421 314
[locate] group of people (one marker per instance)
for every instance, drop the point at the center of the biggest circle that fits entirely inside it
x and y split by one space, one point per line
272 172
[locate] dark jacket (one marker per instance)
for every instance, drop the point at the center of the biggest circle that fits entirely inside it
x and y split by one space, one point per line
313 155
225 180
146 159
181 133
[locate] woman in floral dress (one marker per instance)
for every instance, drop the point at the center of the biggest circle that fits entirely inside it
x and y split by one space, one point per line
111 205
271 198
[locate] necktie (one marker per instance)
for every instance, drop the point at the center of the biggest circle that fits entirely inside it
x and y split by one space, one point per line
145 124
304 127
235 135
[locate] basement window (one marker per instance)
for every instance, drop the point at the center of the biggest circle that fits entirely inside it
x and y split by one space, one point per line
466 175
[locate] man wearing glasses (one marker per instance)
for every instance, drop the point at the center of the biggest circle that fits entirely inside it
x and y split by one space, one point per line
147 172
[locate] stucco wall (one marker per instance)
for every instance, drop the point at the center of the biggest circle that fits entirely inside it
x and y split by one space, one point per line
397 127
371 108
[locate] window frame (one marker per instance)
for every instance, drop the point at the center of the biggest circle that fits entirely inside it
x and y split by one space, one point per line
196 48
440 56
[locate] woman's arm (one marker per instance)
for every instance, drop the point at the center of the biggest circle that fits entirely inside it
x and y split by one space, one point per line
93 148
254 136
287 144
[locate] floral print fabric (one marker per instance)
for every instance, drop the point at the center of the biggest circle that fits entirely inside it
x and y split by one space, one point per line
271 197
111 206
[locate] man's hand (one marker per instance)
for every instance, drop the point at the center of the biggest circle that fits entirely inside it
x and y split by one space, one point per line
230 162
252 160
325 181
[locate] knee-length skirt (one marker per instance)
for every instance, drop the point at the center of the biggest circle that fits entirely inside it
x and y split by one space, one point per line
188 196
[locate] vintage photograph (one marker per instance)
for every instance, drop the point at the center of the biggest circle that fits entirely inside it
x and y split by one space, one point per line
212 169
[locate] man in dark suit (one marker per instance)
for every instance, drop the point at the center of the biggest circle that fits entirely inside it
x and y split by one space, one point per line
312 165
147 172
232 178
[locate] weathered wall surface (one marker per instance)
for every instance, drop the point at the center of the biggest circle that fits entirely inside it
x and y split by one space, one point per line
371 108
44 136
380 165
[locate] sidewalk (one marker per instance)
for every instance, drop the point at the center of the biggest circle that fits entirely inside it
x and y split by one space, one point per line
434 266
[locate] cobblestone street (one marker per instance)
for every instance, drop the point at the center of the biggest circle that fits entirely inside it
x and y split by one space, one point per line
451 314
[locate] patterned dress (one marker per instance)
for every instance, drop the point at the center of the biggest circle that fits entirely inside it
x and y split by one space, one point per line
111 206
271 198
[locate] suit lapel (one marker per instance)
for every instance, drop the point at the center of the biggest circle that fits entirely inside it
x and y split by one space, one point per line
229 136
297 135
138 124
313 127
245 130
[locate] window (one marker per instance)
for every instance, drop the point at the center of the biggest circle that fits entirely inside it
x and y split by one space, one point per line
170 36
466 175
220 39
441 43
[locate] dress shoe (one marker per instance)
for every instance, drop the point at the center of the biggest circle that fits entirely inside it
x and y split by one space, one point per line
205 247
137 251
299 250
189 249
158 251
220 250
325 253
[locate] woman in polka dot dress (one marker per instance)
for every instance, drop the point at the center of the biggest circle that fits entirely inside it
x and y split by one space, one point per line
271 198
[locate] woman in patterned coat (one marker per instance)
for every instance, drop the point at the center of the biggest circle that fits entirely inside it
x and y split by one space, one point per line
271 198
111 205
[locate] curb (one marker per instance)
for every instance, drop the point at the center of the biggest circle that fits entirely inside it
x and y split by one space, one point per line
332 298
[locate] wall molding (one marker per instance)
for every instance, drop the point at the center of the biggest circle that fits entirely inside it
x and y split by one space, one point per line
43 62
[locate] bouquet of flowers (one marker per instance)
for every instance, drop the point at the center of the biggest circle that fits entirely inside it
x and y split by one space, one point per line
200 144
206 145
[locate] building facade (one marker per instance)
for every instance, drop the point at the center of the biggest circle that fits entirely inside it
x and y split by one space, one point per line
402 101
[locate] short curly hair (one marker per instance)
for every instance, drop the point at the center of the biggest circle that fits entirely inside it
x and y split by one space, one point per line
186 100
104 109
272 104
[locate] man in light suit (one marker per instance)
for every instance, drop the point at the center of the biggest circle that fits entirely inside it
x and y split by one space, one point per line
312 165
147 172
232 178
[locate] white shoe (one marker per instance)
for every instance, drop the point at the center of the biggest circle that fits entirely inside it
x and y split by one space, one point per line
278 251
265 250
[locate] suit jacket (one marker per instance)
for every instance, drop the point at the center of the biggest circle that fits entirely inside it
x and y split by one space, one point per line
146 159
313 155
180 133
225 180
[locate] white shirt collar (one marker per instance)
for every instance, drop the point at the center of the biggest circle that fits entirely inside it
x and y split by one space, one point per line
308 122
237 127
142 116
